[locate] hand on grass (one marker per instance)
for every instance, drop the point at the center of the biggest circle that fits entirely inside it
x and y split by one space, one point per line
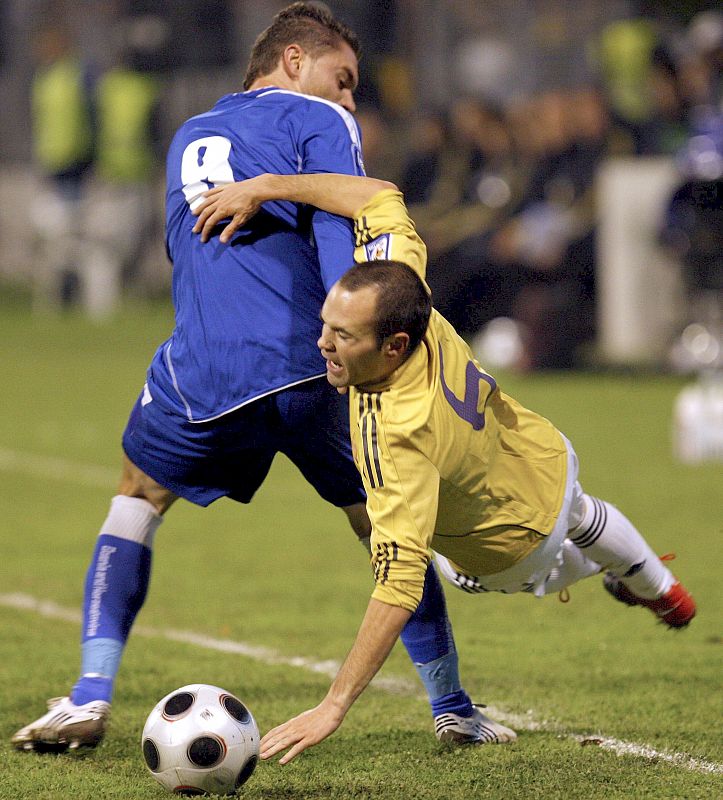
306 730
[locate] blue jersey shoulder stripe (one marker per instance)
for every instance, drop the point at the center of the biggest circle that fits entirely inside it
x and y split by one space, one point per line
349 120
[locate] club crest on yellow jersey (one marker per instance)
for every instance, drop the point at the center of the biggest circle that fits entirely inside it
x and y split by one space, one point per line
378 249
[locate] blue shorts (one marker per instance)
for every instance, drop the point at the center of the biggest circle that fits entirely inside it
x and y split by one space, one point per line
231 456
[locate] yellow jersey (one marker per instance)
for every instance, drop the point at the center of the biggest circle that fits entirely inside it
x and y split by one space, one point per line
449 462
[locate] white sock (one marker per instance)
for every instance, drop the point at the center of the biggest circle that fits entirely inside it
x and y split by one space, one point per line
132 518
115 588
608 537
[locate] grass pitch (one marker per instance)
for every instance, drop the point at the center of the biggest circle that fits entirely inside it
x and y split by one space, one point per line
284 573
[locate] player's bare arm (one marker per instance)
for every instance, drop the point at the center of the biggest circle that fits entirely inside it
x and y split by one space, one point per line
338 194
379 631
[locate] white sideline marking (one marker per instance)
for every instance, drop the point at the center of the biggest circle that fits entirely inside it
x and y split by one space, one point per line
46 608
59 469
265 655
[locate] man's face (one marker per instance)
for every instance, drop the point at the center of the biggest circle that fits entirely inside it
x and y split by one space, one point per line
333 75
348 341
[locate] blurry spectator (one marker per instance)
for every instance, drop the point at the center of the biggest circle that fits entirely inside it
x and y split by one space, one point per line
469 286
427 141
653 82
395 81
701 64
62 127
128 156
549 242
666 128
379 144
624 52
462 175
532 255
693 229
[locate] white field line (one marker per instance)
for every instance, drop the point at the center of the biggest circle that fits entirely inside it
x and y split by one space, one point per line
265 655
400 686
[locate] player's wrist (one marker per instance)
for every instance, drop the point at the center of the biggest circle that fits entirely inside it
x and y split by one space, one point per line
264 187
338 702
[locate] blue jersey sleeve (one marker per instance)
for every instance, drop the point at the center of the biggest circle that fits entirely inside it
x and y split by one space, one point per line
332 144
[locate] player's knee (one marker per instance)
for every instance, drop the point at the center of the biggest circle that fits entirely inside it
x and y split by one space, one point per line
578 508
359 520
574 566
136 483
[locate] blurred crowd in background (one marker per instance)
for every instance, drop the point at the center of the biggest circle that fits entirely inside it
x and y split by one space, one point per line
493 118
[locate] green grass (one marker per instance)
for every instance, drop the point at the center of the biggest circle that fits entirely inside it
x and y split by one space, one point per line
285 573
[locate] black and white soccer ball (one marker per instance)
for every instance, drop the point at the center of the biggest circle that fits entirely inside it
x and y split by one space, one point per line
199 739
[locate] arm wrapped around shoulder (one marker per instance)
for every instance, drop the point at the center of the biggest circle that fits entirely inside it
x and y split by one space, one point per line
384 230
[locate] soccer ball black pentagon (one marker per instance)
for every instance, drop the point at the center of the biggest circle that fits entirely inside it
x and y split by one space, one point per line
199 739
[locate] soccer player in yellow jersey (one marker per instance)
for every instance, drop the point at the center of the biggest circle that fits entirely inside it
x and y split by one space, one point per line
451 465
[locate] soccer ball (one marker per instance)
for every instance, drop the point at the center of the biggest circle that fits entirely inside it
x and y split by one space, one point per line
201 739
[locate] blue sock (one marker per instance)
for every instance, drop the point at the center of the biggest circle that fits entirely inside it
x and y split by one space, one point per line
428 639
115 588
454 702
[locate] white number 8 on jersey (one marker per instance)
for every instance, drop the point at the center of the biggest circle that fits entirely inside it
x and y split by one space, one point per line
204 166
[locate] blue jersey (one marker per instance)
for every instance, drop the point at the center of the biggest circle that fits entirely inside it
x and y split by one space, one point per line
247 313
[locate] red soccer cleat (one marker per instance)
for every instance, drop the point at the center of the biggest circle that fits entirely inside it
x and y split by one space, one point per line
676 608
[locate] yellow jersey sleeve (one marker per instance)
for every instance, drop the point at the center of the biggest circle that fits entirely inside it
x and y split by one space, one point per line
402 488
383 230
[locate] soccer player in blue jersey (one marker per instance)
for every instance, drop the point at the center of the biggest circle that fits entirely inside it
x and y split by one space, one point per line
240 378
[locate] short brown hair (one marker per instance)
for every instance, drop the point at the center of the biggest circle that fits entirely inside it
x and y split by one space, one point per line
309 26
403 301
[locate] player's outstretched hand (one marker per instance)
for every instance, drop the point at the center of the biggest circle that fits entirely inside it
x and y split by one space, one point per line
306 730
235 201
